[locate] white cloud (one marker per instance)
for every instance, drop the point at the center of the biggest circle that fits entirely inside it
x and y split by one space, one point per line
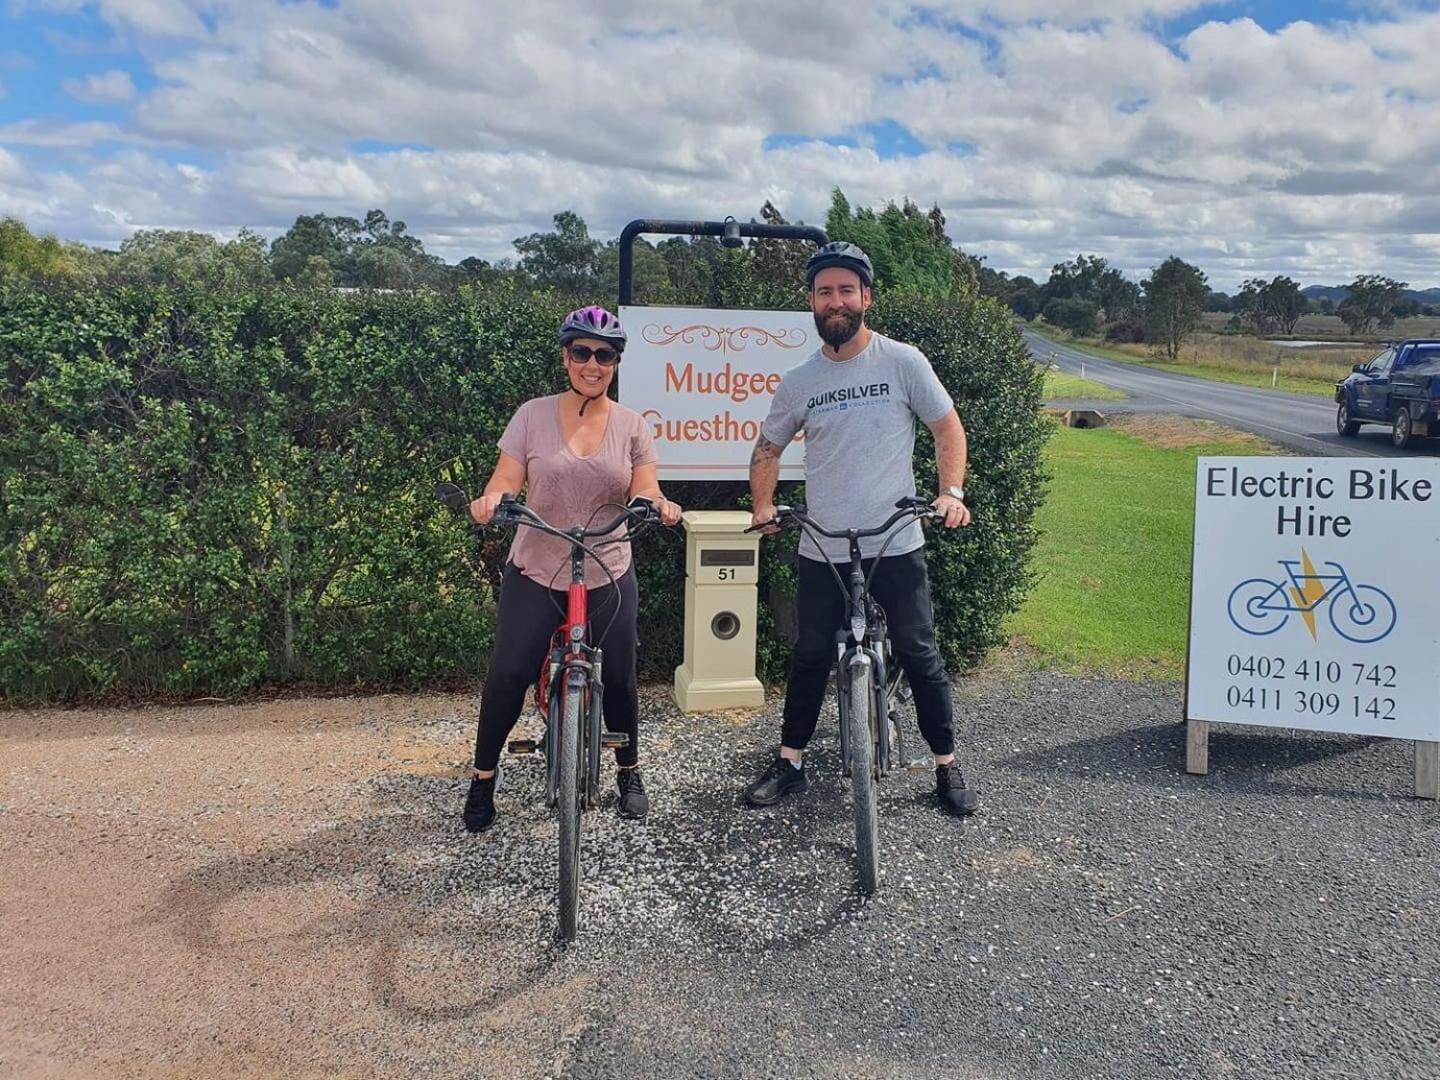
12 171
160 18
47 134
1307 150
105 88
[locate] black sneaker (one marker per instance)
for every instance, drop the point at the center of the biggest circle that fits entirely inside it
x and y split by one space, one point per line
634 803
480 805
954 796
779 780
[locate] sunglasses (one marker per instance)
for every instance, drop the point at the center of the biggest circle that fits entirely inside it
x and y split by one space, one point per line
581 354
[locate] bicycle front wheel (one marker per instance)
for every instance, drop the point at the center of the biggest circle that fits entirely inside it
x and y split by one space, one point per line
861 745
569 807
1363 615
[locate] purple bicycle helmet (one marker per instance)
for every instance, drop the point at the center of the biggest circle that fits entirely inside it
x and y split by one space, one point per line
593 322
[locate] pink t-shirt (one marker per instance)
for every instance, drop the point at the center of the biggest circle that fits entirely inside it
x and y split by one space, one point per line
567 490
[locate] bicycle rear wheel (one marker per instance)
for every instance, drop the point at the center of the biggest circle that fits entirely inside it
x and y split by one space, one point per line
569 807
862 775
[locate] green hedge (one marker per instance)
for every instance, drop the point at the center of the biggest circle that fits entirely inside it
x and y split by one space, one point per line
203 493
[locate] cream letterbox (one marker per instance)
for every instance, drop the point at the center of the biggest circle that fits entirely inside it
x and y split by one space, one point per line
722 570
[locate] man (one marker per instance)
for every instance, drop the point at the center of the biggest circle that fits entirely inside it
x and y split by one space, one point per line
857 400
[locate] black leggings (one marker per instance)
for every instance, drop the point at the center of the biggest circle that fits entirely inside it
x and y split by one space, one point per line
902 587
527 619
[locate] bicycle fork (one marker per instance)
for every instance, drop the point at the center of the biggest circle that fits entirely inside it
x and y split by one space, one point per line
862 656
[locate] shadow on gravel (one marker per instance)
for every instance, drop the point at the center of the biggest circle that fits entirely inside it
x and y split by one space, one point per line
383 890
766 879
1240 760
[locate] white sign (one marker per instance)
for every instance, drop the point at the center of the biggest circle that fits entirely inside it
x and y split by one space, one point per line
704 379
1315 594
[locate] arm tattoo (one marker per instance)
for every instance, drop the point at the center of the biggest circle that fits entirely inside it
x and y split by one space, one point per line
765 451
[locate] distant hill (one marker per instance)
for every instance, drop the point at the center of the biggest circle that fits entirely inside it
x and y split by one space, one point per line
1338 293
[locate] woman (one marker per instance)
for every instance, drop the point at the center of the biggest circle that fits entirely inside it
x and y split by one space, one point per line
573 452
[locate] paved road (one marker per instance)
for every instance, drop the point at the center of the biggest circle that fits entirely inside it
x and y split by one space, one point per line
1297 421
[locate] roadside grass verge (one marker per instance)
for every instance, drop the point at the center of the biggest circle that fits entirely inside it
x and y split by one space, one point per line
1114 550
1060 385
1233 358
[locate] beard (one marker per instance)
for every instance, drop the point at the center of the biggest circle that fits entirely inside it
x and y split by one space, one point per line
836 330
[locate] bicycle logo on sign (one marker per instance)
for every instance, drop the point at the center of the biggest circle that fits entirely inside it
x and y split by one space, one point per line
1359 613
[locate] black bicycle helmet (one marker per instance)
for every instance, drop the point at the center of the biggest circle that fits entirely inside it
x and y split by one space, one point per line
842 254
593 322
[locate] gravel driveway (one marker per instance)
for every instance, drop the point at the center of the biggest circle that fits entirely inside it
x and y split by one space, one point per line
284 888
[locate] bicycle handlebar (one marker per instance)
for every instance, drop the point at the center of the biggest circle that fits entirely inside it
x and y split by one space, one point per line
511 511
790 516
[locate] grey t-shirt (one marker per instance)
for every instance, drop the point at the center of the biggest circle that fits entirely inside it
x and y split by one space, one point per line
858 417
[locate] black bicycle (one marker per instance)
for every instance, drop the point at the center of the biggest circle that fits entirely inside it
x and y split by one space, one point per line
570 689
871 692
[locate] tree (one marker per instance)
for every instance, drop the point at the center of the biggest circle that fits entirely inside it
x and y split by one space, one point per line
563 260
1371 302
1073 314
24 254
185 257
1267 307
777 267
1024 297
909 248
375 252
1092 279
1174 300
1249 309
332 239
381 266
690 263
1285 303
650 279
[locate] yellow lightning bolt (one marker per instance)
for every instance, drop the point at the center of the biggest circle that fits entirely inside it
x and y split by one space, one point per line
1308 597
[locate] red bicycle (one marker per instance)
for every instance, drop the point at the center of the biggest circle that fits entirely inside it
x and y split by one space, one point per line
570 688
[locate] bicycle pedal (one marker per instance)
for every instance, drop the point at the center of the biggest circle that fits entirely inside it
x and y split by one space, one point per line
523 746
614 740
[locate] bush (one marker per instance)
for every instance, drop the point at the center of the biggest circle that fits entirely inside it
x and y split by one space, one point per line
207 492
1126 332
1077 316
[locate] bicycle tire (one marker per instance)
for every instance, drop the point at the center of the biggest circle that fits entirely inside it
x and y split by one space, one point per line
593 745
569 807
1362 620
862 776
553 718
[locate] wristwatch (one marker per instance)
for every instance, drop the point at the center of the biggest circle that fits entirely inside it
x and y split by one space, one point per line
954 492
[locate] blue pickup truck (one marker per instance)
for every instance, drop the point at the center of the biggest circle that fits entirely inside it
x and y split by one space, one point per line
1400 387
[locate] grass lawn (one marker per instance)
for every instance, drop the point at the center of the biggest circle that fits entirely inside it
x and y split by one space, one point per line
1114 553
1060 385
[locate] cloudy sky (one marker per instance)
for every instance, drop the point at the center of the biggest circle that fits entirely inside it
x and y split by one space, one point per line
1249 138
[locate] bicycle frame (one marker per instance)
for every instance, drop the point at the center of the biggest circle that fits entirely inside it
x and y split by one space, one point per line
862 643
1339 583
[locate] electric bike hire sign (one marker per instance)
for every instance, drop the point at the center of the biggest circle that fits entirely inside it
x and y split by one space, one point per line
1315 595
704 380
